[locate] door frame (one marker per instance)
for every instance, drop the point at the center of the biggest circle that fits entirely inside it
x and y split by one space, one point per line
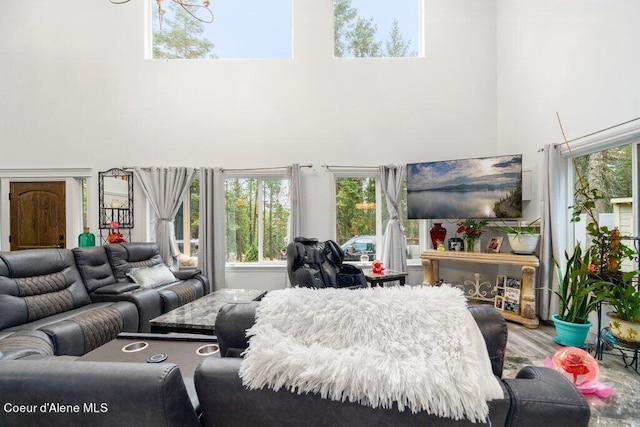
73 200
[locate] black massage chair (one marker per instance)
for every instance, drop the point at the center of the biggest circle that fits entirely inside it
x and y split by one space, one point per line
315 264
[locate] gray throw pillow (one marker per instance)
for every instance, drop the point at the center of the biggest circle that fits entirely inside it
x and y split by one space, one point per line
151 277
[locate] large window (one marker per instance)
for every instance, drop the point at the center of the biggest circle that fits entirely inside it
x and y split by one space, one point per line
257 218
362 216
376 28
240 29
610 172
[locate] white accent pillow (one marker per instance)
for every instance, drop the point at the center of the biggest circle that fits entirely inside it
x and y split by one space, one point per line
151 277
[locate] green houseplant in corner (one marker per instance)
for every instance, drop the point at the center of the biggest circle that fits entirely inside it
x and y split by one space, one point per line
581 286
579 293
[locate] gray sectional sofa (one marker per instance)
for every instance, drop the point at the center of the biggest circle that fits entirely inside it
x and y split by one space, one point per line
107 393
536 397
68 302
104 272
54 392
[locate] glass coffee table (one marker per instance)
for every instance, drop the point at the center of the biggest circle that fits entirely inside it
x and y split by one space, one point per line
199 316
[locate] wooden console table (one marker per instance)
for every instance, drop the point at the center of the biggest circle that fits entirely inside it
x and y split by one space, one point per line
527 316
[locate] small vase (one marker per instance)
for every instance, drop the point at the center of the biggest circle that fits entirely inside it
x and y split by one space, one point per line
470 245
86 239
437 233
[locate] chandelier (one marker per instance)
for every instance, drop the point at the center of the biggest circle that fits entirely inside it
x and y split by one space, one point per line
190 8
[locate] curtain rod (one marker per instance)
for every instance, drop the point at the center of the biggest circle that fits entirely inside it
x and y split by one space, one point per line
223 169
348 167
263 168
596 132
151 167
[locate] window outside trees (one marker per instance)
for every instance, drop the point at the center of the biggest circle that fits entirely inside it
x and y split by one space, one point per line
257 219
251 29
611 172
355 208
361 210
376 28
240 29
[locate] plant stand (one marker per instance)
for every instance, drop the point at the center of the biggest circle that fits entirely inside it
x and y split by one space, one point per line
628 351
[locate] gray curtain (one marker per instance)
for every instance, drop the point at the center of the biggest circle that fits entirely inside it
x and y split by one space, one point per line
295 225
211 233
394 246
165 189
555 217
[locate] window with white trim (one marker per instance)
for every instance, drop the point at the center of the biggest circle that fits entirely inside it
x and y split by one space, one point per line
376 28
610 172
257 218
245 29
362 216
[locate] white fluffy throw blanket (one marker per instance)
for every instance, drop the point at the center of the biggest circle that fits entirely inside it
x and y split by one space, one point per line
417 347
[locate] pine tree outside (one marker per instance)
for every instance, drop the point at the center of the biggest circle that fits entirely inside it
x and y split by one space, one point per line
375 28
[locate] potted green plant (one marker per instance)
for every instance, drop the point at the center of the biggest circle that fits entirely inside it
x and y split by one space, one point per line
580 285
522 238
579 293
589 275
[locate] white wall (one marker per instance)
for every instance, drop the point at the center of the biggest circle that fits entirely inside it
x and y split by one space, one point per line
577 58
76 91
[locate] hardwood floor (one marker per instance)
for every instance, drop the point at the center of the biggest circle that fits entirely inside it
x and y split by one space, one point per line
531 346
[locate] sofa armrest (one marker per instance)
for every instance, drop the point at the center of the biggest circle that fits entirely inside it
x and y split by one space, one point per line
494 331
232 322
186 273
104 393
117 288
25 345
542 396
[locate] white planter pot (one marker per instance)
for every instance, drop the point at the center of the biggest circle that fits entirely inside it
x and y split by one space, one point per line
524 244
623 330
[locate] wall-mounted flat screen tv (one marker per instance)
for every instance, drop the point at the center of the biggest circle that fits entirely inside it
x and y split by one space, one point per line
486 187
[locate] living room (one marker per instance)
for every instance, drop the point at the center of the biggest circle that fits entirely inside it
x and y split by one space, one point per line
80 96
493 76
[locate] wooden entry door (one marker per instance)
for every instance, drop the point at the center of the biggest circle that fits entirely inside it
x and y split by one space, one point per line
37 215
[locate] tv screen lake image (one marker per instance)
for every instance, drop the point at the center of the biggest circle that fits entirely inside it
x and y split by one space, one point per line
487 187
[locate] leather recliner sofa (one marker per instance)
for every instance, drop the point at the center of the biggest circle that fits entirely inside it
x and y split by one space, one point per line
41 289
104 271
189 285
54 392
536 397
68 302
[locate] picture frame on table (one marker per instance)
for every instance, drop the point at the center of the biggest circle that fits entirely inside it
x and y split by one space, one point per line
495 244
507 293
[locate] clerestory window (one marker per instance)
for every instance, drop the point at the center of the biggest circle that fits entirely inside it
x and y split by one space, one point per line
240 29
376 28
